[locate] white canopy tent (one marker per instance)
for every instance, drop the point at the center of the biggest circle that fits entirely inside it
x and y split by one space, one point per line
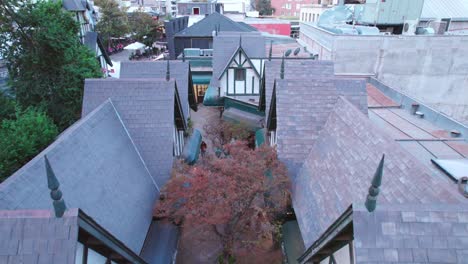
135 46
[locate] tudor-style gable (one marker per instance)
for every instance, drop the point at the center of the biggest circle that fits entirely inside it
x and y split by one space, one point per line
241 75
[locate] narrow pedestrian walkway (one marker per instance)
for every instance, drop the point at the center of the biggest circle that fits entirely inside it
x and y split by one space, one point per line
205 115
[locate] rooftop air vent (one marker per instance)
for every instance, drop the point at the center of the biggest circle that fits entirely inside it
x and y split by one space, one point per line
455 133
420 114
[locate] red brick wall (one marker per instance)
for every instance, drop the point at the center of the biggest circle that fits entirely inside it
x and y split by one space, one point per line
278 29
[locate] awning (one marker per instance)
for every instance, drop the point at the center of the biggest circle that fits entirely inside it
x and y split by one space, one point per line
135 46
201 78
259 137
293 243
211 97
192 148
251 121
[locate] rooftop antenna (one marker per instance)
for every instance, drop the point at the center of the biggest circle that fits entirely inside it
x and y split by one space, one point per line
240 40
271 50
371 200
282 68
168 73
55 193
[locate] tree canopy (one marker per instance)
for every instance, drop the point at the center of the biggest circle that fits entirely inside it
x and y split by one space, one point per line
243 193
22 137
113 21
264 7
47 64
144 28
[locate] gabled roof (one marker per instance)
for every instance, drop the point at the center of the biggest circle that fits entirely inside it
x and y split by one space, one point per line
179 70
339 168
148 109
226 45
206 26
73 5
294 69
302 109
239 52
91 40
99 170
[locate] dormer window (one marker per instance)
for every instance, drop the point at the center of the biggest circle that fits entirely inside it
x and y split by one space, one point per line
240 74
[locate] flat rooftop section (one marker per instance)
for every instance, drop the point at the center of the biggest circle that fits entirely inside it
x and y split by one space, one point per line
419 136
252 20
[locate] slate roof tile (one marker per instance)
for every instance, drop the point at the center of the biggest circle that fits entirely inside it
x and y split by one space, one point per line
54 248
303 107
294 70
180 71
326 186
146 107
99 170
206 26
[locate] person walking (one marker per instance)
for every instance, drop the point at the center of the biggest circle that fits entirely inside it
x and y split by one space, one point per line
203 147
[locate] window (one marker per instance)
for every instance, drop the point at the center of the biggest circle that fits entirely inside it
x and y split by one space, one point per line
239 75
196 11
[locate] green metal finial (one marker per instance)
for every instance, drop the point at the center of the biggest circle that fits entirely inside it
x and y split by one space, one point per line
55 193
282 68
168 72
271 50
371 200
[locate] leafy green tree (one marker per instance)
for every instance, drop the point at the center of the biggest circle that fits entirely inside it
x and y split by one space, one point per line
7 107
264 7
113 21
144 28
22 138
47 64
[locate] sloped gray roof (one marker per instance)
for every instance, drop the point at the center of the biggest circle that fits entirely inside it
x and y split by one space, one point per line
206 26
99 170
226 44
179 70
146 107
338 171
38 237
302 109
294 69
411 234
73 5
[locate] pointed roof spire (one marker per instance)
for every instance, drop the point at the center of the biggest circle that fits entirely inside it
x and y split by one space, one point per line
282 68
271 50
183 52
240 40
55 193
371 200
168 71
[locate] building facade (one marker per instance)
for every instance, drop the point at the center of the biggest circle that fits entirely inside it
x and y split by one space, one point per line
291 8
312 13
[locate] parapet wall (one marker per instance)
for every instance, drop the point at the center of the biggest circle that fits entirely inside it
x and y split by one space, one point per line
433 69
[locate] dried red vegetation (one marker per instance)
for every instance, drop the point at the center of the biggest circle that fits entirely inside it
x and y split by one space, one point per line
241 195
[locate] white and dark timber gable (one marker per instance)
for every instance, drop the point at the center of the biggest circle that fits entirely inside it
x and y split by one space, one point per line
241 75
